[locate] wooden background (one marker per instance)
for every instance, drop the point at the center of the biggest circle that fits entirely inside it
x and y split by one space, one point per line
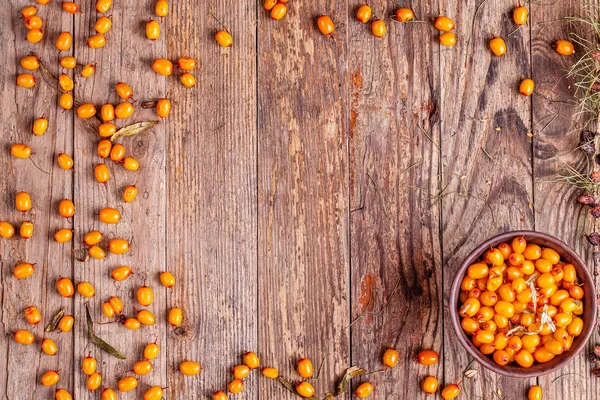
297 185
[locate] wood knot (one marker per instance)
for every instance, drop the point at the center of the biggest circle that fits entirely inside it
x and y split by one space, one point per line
417 291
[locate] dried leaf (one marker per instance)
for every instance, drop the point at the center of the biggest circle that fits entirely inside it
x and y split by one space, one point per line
133 129
470 373
350 374
149 104
53 324
292 389
98 341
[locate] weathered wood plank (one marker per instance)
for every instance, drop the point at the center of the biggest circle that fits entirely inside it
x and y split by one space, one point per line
211 203
557 133
25 364
487 170
303 254
125 58
394 171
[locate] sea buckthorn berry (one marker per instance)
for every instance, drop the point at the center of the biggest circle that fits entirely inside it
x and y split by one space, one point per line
96 41
506 292
447 39
187 79
532 252
278 11
545 280
505 308
450 391
488 298
61 394
97 252
470 307
167 279
513 273
132 323
26 81
501 357
562 320
66 208
428 357
30 63
33 315
63 235
142 367
65 287
49 347
35 35
190 368
569 305
121 273
269 4
23 202
483 337
271 373
118 246
131 164
535 392
88 70
108 394
23 336
162 66
107 129
152 29
541 355
6 230
101 173
94 381
518 245
107 113
64 41
145 295
520 15
117 153
154 393
65 101
18 150
92 238
305 368
116 304
50 378
550 255
68 62
527 267
516 259
163 108
219 395
531 340
485 348
555 347
443 23
124 110
501 341
102 26
26 230
477 271
29 11
325 24
378 28
469 325
127 384
467 284
576 292
430 385
103 6
575 327
66 323
129 193
23 270
33 22
524 358
564 47
162 8
505 250
526 87
86 289
364 390
304 389
86 111
109 215
543 266
363 14
224 38
498 46
175 317
241 371
107 310
151 351
104 148
70 7
251 360
404 15
124 91
570 274
390 357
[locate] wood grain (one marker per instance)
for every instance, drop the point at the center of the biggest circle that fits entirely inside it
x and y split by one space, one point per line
212 197
486 164
303 251
394 174
557 134
25 364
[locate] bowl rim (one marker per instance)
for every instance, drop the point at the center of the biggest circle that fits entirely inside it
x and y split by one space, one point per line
518 371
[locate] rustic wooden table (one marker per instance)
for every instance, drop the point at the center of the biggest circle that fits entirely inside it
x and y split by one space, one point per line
304 179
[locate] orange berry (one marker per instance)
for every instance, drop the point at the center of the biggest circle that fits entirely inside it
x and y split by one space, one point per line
103 6
60 394
129 194
190 368
142 367
65 101
94 381
175 317
109 215
364 390
124 91
102 173
271 373
23 270
64 41
109 394
430 385
498 46
132 323
96 41
127 384
151 351
163 108
443 23
390 357
131 164
450 391
305 389
219 395
520 15
26 230
86 111
404 14
26 81
278 11
152 30
66 208
6 230
124 110
162 66
66 323
97 252
535 393
50 378
564 47
35 35
145 295
187 79
18 150
447 39
325 24
162 8
118 246
49 347
269 4
167 279
428 357
241 371
40 125
23 336
33 315
70 7
88 365
121 273
65 287
305 368
224 38
33 22
30 63
23 202
29 11
154 393
63 235
378 28
86 289
88 70
363 14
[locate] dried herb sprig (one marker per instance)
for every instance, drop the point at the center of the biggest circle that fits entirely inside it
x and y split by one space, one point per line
53 324
98 341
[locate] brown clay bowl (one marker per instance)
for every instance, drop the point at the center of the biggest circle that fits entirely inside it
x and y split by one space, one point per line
589 300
